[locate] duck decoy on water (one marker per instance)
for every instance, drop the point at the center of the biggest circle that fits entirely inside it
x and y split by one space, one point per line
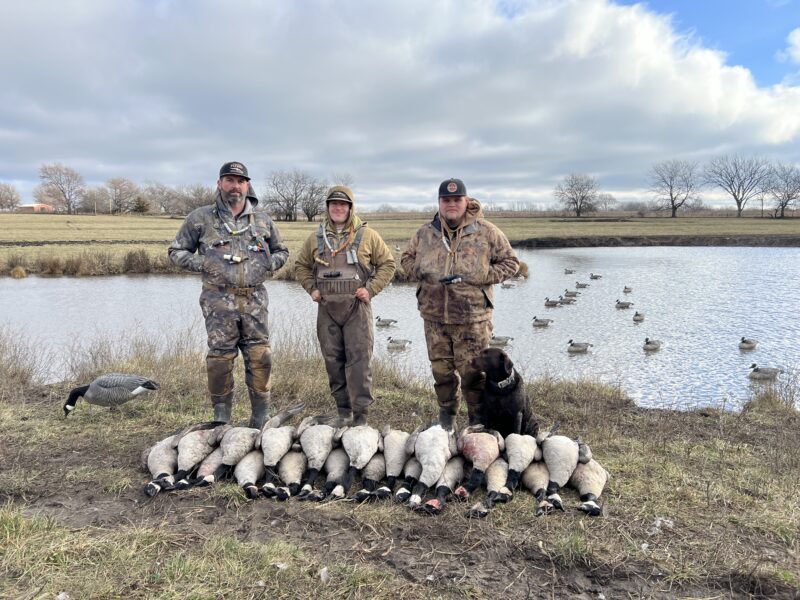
764 373
569 294
651 345
500 340
594 276
384 322
541 322
551 303
578 346
638 317
507 285
112 390
580 285
623 304
569 271
627 290
747 343
562 300
398 344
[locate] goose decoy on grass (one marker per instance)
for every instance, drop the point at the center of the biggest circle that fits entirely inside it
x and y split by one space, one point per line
763 373
594 276
580 285
651 345
623 304
384 322
747 344
500 340
541 322
551 303
638 317
627 290
110 390
398 344
578 346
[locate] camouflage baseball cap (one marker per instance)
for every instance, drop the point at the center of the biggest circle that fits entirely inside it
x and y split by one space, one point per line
233 168
452 187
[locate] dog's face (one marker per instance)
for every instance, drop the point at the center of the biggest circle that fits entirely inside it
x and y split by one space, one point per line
494 362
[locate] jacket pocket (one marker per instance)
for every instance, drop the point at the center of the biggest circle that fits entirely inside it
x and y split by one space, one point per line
486 302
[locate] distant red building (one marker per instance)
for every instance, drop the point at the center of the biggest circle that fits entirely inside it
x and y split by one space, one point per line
37 207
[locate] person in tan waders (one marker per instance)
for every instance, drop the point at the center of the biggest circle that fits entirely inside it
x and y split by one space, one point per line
343 265
456 258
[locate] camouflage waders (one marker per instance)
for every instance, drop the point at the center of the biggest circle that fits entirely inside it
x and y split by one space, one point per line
236 319
450 348
344 329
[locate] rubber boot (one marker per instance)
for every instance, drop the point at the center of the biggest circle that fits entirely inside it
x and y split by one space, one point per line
446 419
359 418
345 413
259 404
222 407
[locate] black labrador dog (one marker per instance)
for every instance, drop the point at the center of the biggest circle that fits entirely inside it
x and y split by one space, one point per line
503 406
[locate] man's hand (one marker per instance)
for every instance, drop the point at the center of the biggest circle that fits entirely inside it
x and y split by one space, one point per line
363 295
316 295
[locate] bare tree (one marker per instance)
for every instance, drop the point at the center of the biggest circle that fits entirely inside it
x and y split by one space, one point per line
343 179
674 183
122 194
784 187
61 185
606 201
578 193
743 178
9 197
162 197
94 200
194 196
290 191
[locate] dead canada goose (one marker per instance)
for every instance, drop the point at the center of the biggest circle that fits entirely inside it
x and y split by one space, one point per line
651 345
623 304
638 317
541 322
384 322
747 343
575 347
496 490
764 373
481 447
110 390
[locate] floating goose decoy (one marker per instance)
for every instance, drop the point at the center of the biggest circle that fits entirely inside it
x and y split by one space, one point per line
110 390
569 294
507 285
500 340
623 304
747 344
541 322
580 285
569 271
638 317
384 322
398 344
578 346
627 290
562 300
551 303
764 373
594 276
651 345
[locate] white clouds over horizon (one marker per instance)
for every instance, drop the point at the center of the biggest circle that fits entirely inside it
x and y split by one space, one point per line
509 96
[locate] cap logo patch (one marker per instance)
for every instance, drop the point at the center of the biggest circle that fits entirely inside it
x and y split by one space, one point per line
452 187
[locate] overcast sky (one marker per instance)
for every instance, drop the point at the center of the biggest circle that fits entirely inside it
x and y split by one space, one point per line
509 95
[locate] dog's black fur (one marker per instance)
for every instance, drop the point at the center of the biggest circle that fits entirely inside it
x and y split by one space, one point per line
504 406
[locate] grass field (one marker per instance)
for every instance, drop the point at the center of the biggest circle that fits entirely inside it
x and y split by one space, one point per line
701 504
45 243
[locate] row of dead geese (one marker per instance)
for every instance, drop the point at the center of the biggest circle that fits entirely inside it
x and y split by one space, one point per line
281 461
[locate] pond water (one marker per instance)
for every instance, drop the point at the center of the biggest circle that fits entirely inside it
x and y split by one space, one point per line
697 300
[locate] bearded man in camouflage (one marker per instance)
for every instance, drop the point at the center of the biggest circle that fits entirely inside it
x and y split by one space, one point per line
343 265
456 258
235 245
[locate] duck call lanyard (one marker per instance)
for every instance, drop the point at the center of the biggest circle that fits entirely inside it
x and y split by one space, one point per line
451 244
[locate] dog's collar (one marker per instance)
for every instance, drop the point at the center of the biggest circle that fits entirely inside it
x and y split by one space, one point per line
507 384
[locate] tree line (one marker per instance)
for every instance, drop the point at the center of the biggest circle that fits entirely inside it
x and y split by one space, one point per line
677 184
674 185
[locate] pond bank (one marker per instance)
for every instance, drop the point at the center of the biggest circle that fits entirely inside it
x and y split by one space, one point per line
784 241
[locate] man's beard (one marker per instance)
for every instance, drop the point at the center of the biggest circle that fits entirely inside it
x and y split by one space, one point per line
230 198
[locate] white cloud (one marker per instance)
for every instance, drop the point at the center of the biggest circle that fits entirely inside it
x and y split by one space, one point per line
792 51
510 96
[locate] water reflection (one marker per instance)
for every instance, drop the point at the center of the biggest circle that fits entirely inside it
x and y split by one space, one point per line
698 301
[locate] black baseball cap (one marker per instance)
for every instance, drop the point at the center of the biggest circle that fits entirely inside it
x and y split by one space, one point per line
452 187
233 168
